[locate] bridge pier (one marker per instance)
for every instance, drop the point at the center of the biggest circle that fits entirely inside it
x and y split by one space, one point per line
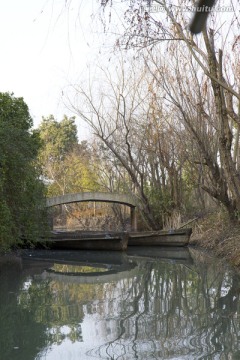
50 218
133 217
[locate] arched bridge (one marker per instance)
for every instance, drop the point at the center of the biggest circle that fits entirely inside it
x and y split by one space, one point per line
123 199
92 196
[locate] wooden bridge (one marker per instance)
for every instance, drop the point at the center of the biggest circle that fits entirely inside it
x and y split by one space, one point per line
123 199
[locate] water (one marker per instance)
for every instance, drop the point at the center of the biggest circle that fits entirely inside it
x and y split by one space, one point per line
147 304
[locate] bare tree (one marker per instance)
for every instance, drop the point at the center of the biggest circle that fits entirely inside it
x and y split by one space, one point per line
123 115
212 114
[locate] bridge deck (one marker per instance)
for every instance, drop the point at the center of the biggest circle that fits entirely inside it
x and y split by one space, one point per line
92 196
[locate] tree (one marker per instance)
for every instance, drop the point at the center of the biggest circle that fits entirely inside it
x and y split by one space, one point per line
140 149
21 191
58 139
67 165
196 94
212 67
207 104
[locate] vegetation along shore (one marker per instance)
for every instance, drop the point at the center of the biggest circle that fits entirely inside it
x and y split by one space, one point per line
163 114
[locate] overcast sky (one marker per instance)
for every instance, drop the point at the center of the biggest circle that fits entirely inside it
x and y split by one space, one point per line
44 47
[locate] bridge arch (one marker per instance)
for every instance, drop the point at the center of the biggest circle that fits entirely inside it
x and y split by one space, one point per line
92 196
123 199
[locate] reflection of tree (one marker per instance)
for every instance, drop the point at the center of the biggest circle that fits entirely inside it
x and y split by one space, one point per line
73 269
221 326
136 291
20 336
169 310
163 310
58 304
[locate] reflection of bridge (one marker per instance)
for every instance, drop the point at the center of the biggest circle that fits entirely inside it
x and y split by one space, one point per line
116 273
123 199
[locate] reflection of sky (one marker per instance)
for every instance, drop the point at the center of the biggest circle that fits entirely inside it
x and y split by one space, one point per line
94 335
164 311
68 351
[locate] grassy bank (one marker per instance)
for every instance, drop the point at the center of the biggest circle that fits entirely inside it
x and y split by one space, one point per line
216 233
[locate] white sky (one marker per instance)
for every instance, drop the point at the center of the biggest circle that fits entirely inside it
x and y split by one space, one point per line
44 47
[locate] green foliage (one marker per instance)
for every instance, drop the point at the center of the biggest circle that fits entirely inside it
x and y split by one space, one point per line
161 202
21 191
6 226
67 165
58 138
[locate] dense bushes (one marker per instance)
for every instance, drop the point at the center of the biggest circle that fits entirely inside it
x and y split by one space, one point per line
21 190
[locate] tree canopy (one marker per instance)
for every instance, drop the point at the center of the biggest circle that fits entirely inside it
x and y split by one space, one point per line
21 190
66 164
168 112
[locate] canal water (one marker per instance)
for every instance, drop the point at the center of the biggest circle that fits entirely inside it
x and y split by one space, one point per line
143 304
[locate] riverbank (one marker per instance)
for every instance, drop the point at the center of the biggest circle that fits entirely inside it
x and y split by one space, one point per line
214 232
